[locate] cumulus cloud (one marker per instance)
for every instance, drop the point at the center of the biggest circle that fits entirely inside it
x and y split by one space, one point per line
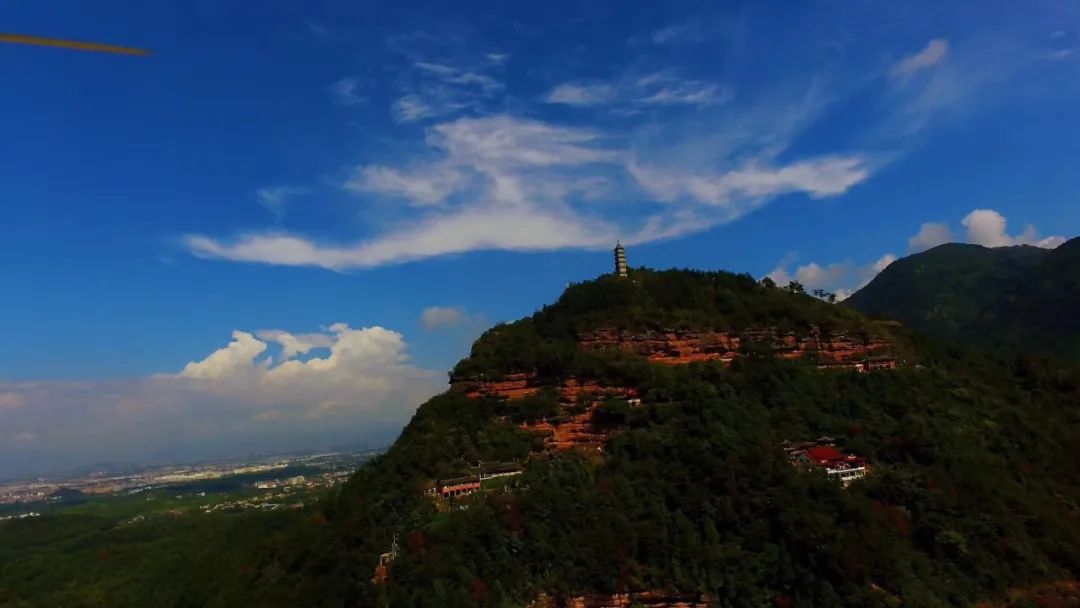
436 317
295 344
932 54
841 278
987 227
231 360
354 386
984 227
930 235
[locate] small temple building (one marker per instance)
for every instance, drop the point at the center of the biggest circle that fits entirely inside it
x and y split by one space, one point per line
836 464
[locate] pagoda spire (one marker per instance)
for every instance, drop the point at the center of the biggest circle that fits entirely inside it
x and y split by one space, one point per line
620 260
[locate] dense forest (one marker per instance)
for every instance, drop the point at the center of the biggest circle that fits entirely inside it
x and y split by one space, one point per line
1009 299
973 490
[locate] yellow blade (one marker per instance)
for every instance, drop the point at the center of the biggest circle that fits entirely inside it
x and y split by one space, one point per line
71 44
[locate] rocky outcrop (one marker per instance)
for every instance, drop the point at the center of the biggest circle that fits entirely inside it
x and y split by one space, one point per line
677 347
649 599
571 432
516 386
511 386
573 428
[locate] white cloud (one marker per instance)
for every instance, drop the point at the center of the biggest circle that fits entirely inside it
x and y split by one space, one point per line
293 345
1060 54
230 360
439 234
275 197
346 93
362 389
437 89
984 227
515 184
930 235
666 158
504 141
688 93
987 227
658 89
819 178
436 317
694 30
425 185
409 108
575 94
842 278
452 75
932 54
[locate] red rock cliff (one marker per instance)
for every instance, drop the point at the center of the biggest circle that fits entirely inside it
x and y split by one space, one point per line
688 346
649 599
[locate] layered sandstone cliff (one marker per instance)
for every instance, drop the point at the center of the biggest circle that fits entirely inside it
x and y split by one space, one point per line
648 599
688 346
517 386
575 428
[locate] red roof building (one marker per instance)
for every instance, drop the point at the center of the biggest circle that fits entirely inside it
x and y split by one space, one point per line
845 467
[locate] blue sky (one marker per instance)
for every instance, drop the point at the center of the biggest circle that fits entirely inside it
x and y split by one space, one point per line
279 168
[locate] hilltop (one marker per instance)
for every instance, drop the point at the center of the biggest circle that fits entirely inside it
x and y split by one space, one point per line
644 441
1010 299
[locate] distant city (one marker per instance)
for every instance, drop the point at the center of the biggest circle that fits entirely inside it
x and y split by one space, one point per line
255 482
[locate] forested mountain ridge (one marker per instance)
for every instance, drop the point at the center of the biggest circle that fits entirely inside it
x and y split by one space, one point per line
676 393
1010 299
690 494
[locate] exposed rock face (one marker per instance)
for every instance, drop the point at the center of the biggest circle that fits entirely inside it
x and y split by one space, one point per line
577 432
688 346
513 386
575 429
517 386
650 599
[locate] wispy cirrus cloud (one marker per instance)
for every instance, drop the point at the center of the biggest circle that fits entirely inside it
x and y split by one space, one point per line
575 94
346 92
275 198
434 89
510 191
932 54
661 88
649 154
